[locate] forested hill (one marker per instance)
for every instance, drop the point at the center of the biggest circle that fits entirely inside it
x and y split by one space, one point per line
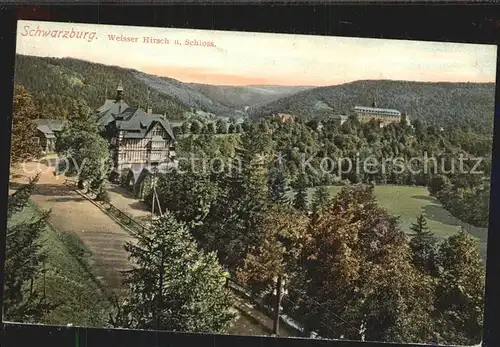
55 83
439 104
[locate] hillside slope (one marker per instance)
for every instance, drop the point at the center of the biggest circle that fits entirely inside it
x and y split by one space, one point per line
55 83
440 104
238 97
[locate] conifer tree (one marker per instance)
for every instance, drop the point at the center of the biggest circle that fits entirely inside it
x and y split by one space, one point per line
278 189
423 246
173 286
320 198
300 198
23 262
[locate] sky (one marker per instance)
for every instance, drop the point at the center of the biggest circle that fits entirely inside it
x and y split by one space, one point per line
243 58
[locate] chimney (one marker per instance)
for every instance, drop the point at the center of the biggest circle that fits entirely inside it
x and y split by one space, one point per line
150 111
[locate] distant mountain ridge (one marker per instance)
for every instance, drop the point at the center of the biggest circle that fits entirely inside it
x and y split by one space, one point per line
440 104
55 83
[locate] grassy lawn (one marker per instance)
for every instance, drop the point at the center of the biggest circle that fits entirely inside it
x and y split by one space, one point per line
408 202
68 280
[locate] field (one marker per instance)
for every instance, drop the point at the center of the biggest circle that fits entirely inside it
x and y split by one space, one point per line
408 202
68 280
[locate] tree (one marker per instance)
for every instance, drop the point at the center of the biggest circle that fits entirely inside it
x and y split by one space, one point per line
423 245
211 128
284 235
186 127
460 291
437 184
24 128
360 280
173 286
23 261
221 126
195 127
320 198
85 149
300 198
177 131
278 190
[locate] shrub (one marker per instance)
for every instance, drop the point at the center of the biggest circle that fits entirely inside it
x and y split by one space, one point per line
103 196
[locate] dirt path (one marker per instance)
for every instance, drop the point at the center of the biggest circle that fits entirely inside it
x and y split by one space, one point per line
71 212
124 200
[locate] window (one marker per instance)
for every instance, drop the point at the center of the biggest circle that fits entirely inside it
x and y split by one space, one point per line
35 140
157 131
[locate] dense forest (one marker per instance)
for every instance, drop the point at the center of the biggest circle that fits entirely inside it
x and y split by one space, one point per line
350 271
55 83
454 163
438 104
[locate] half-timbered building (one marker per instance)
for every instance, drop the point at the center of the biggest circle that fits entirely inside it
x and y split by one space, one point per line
139 139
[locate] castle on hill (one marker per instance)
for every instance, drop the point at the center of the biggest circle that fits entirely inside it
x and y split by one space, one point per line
383 115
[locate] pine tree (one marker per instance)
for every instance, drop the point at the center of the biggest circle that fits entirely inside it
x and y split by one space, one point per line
423 246
173 286
253 156
23 262
300 198
320 198
278 189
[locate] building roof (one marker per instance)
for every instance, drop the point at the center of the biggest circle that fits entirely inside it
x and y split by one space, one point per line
49 126
378 111
134 121
113 106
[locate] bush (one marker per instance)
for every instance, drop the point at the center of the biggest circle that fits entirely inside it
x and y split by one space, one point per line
103 196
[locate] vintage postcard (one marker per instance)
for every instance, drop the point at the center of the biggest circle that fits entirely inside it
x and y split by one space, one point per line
249 183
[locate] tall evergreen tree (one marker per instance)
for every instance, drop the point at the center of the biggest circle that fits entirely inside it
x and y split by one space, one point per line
278 188
423 245
173 286
320 198
300 198
23 262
